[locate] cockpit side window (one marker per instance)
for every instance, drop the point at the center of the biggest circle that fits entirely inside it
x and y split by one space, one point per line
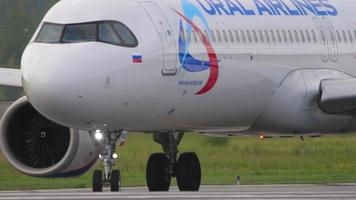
50 33
79 33
126 35
108 34
111 32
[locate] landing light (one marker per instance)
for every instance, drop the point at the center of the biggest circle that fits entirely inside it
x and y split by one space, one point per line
98 135
114 155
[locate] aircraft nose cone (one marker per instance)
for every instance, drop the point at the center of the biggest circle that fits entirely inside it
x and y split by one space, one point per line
53 81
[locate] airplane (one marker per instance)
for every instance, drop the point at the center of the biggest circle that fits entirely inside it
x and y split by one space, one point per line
96 70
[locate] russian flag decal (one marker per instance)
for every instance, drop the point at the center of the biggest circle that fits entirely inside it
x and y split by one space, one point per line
136 58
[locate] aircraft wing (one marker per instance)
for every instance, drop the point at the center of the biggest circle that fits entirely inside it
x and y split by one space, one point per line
338 96
10 77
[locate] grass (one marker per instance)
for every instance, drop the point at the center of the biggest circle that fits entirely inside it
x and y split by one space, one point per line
273 161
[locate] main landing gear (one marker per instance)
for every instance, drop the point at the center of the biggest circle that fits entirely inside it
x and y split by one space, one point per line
161 167
108 177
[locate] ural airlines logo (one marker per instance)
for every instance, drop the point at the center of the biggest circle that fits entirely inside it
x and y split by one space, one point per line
268 7
187 61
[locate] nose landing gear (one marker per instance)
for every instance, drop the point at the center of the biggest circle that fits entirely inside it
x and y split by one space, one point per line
161 167
108 177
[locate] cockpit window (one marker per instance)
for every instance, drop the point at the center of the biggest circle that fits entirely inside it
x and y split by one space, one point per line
116 33
125 34
79 33
111 32
50 33
108 34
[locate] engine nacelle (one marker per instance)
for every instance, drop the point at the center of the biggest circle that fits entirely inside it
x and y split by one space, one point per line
39 147
295 107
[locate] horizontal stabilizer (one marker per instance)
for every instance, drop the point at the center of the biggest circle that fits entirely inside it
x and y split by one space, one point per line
10 77
338 96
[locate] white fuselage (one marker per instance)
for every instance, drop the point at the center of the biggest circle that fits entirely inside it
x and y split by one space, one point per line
92 84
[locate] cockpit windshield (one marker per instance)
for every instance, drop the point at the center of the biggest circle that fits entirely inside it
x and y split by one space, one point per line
79 33
50 33
110 32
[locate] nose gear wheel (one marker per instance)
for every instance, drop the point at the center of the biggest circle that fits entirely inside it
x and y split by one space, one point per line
108 177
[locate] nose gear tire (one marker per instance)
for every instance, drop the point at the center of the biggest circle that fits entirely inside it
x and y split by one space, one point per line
97 181
115 181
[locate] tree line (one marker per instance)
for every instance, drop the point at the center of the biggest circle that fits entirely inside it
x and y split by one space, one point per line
18 21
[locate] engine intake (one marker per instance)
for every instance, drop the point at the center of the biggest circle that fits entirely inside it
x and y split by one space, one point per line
39 147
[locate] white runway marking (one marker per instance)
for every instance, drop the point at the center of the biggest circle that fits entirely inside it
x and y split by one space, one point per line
289 192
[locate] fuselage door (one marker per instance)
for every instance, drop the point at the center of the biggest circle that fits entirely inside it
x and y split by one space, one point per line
166 37
323 39
330 32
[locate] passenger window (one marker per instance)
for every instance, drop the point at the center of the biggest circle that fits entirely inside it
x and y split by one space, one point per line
314 36
290 36
107 34
266 35
344 36
332 37
279 36
296 36
249 36
225 36
285 36
354 35
219 35
243 38
79 33
272 36
206 35
308 36
338 35
350 35
231 36
237 36
322 35
254 36
302 36
212 36
50 33
261 36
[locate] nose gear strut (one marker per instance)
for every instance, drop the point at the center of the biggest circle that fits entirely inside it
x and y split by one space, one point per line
108 177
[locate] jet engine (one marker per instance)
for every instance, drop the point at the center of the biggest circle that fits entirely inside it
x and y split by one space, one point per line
39 147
